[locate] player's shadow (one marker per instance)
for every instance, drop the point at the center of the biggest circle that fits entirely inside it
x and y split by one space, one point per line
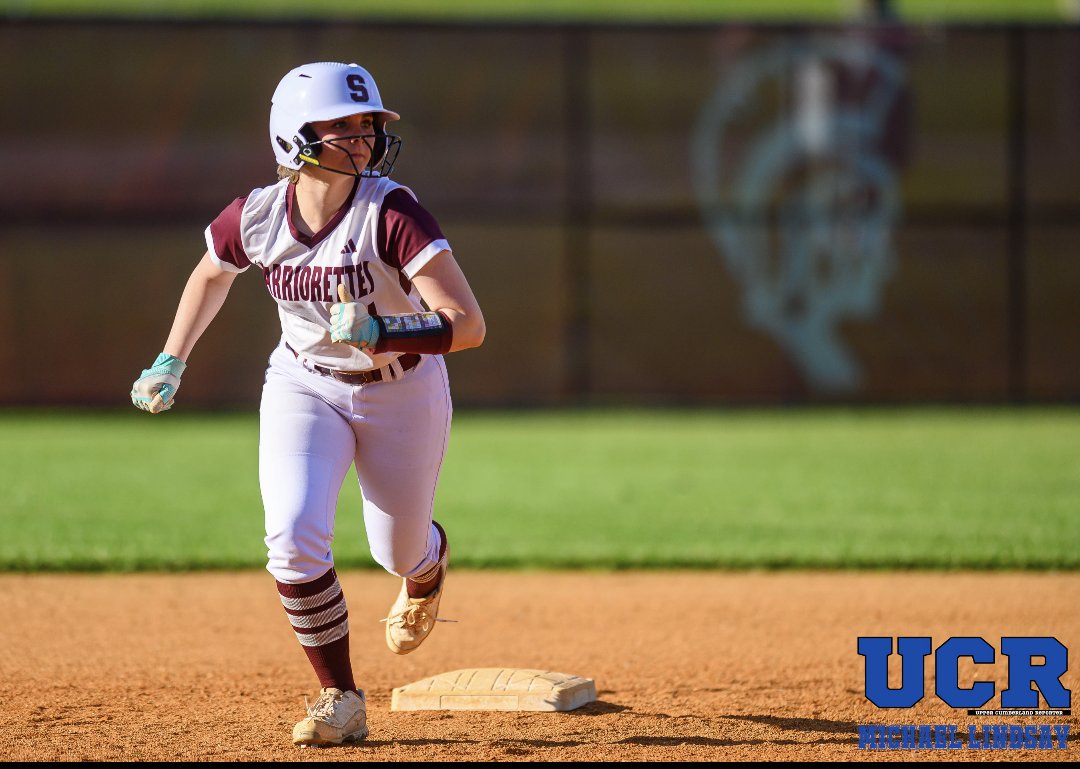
418 742
595 708
601 707
806 725
598 708
676 741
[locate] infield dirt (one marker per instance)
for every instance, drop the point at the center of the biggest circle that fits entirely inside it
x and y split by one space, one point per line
688 666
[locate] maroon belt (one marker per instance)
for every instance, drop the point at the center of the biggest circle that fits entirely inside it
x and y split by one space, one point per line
408 362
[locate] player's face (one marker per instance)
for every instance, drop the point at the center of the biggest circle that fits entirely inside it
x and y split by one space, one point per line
341 140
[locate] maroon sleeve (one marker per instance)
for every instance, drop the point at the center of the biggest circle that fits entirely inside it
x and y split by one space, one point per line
225 231
405 229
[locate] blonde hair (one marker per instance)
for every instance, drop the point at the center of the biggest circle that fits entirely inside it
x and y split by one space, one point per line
288 173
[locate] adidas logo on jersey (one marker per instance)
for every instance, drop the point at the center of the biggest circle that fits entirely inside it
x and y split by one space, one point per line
350 248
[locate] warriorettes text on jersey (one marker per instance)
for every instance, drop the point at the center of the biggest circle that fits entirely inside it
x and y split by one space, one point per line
317 284
375 244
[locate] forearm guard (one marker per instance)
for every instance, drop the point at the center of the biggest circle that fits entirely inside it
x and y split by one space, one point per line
419 332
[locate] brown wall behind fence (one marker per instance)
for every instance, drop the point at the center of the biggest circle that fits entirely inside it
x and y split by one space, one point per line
735 215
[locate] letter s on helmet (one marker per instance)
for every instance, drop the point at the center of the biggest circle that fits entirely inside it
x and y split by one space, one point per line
326 91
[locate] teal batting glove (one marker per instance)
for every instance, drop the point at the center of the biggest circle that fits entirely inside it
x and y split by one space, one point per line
155 388
351 324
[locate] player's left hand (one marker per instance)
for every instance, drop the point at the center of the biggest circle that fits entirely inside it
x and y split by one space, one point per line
153 391
350 322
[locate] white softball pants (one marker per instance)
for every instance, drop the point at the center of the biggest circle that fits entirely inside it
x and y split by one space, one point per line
313 428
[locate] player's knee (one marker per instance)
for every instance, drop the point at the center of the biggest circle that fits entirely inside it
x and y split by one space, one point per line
399 568
292 558
401 562
404 559
297 568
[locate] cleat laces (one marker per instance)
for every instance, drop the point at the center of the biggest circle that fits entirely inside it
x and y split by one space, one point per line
323 707
415 616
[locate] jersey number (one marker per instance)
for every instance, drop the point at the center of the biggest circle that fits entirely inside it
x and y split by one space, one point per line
358 87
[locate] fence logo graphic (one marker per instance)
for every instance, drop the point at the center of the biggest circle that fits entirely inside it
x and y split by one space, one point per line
797 196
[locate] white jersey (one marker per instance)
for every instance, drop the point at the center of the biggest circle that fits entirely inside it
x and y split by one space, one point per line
375 244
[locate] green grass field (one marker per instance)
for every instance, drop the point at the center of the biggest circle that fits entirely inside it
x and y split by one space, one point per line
549 10
701 489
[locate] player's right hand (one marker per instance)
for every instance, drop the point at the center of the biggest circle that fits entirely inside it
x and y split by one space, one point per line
156 386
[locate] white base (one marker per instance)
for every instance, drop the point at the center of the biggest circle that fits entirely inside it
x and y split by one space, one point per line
496 689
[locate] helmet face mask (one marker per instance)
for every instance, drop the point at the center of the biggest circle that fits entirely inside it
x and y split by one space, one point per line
384 150
328 91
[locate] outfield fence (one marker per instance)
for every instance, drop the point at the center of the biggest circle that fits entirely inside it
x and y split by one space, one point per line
727 214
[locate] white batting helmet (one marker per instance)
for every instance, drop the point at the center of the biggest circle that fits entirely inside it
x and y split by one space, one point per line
325 91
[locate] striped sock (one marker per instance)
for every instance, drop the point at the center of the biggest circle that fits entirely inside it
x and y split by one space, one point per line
321 623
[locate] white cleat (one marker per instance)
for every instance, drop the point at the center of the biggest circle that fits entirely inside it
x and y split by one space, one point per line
411 620
336 717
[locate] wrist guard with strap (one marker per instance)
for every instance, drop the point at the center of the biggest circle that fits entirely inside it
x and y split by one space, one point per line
419 332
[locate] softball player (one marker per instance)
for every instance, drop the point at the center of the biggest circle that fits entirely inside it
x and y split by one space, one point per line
370 298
